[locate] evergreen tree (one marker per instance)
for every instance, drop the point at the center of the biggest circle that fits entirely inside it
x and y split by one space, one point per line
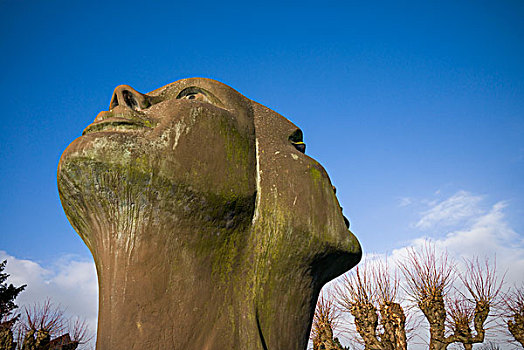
8 293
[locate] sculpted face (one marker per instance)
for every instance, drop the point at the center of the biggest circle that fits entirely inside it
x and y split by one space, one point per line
209 226
182 135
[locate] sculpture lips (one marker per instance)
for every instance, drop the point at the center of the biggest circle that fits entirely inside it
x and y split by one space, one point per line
115 124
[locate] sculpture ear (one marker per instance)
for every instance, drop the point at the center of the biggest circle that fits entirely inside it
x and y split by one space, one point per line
272 132
294 192
272 127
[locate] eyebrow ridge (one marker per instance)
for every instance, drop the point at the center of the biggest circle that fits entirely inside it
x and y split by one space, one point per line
196 89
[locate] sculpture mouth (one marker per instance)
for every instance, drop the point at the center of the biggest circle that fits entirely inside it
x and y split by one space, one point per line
116 125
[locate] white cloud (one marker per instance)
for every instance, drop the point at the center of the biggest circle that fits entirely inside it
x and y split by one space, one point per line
70 283
451 211
473 230
404 201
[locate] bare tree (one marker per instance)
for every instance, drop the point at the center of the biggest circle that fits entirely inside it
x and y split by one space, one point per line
356 296
513 312
460 315
45 326
483 285
41 322
429 281
456 304
368 294
393 318
79 331
325 321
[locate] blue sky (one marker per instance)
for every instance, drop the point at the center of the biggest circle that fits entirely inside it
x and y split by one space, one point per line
416 109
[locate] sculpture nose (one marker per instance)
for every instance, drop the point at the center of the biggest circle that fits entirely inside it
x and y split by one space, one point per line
126 96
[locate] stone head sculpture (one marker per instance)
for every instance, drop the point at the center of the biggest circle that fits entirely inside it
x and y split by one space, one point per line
209 226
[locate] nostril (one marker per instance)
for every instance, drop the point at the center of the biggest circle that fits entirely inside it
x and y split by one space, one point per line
114 101
300 146
296 139
126 97
129 99
346 221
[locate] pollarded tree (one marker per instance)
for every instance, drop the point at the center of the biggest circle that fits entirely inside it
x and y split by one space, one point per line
41 322
429 281
393 318
483 286
513 313
325 322
46 327
368 294
356 296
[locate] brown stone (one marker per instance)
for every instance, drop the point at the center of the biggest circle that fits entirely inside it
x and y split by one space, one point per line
209 226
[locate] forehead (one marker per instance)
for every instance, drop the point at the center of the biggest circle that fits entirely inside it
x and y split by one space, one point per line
226 96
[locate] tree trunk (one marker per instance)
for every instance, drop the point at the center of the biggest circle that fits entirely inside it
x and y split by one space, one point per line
324 340
516 328
394 321
366 322
434 310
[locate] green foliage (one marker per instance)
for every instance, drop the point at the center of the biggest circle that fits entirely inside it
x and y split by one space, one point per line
8 293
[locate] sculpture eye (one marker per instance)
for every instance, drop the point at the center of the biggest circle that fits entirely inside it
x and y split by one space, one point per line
297 140
196 96
194 93
199 94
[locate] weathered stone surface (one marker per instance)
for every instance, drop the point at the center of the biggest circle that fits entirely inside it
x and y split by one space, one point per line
210 229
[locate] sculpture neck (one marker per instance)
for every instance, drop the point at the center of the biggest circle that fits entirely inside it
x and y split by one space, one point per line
168 285
175 288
